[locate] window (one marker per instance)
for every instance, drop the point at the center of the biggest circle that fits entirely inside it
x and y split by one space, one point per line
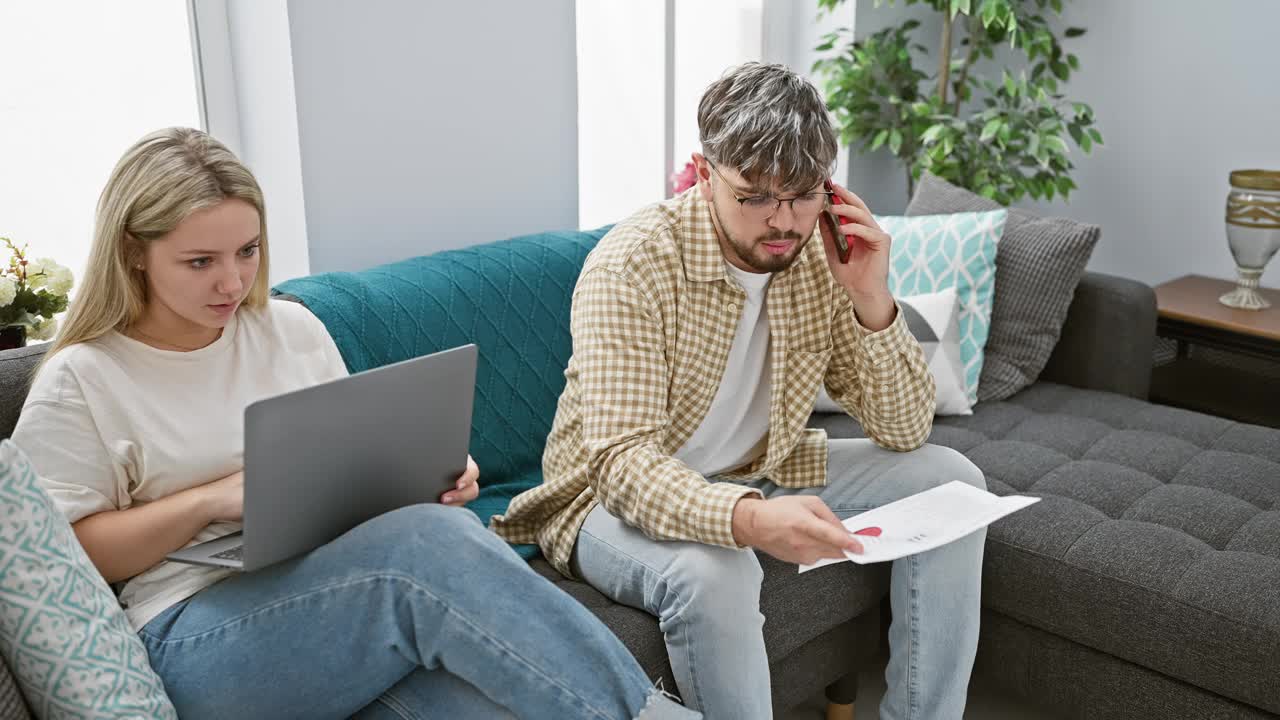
642 68
79 85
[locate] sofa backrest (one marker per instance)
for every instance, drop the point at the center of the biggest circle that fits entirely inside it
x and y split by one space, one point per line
511 298
16 369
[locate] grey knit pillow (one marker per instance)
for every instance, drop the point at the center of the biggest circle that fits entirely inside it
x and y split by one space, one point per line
1039 262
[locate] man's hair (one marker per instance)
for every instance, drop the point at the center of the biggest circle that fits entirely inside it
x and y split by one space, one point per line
769 124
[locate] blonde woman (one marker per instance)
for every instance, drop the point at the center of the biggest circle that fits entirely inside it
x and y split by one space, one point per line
135 424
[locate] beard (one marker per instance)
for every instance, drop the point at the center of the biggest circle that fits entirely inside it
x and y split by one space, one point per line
753 254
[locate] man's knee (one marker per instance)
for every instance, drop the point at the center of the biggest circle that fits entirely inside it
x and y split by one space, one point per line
930 466
706 583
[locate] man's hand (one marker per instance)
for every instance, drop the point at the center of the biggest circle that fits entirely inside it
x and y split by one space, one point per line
866 276
797 528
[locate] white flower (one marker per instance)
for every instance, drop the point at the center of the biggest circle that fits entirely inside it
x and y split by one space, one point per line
58 280
43 329
37 271
8 290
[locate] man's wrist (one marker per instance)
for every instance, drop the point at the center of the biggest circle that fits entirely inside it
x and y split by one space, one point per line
875 311
744 518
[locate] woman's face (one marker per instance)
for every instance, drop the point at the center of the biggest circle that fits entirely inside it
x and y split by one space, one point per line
202 270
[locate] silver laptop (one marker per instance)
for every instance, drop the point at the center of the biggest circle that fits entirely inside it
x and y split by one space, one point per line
322 460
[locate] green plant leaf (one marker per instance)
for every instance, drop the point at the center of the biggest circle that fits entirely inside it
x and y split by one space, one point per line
1074 32
895 141
879 139
989 130
1055 143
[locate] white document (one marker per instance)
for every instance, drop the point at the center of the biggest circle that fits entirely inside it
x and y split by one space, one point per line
925 521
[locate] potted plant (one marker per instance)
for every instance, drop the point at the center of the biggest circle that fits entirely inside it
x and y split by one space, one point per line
32 292
1001 133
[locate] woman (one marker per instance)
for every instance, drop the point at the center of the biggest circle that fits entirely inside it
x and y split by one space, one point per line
135 423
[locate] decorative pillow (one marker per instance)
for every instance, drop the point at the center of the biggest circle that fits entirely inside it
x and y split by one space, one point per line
1038 265
61 629
934 320
937 252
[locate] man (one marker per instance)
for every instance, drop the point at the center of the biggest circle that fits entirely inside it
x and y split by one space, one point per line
702 328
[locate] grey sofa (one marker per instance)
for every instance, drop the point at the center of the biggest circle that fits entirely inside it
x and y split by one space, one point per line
1146 584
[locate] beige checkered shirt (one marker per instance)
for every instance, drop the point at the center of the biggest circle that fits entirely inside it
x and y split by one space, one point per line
654 316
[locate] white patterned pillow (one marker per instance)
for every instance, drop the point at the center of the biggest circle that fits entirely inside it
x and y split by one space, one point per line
934 321
62 631
935 252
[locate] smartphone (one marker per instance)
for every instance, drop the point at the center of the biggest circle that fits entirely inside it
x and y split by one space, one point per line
844 243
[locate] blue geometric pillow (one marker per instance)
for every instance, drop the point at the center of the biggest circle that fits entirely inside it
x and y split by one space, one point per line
935 252
62 631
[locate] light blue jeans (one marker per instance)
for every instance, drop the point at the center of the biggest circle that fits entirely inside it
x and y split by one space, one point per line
707 598
419 613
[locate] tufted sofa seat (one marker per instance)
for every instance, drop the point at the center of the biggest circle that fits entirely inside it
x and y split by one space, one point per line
1157 542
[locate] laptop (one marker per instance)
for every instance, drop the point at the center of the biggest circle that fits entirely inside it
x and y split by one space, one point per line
322 460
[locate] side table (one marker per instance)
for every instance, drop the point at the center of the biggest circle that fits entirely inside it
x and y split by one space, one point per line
1227 361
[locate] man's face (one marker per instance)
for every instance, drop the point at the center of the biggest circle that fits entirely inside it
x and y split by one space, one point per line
760 245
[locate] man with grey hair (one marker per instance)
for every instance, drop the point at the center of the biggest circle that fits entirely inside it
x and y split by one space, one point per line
702 329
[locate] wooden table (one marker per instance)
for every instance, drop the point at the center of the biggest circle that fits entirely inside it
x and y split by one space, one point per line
1189 313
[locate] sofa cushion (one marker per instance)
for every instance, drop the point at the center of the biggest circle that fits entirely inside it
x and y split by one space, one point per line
12 706
1157 539
787 599
511 298
1038 265
950 251
61 629
934 321
16 370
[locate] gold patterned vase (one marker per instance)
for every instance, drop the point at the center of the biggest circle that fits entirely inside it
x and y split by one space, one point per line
1253 232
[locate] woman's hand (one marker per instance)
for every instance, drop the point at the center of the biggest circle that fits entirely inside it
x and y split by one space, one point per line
466 488
224 498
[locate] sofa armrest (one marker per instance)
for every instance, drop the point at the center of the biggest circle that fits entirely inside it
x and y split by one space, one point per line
1108 337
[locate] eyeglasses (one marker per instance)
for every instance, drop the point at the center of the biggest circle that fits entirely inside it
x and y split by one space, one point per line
762 207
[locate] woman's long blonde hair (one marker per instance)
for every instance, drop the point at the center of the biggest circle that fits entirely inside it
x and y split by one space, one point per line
162 179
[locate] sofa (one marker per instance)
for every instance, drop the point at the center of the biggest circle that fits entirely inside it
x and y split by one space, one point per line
1130 591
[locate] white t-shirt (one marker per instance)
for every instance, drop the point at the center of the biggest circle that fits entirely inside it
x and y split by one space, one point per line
114 423
736 428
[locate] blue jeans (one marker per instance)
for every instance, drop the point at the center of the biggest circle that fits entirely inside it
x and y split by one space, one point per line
707 598
419 613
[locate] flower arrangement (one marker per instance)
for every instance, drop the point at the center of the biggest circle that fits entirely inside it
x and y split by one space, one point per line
32 292
684 179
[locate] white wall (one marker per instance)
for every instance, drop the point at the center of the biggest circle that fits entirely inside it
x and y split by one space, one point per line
268 131
1184 92
246 68
621 108
426 126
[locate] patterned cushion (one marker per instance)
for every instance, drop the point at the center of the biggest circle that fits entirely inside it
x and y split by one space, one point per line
1038 265
61 629
934 321
1157 540
941 251
511 298
12 706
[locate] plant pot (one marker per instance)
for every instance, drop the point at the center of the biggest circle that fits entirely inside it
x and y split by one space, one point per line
14 336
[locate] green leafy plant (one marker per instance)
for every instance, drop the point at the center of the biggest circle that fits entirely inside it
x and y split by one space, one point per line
32 292
1001 133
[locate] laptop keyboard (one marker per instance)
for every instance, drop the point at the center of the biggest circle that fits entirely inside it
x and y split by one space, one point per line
235 553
